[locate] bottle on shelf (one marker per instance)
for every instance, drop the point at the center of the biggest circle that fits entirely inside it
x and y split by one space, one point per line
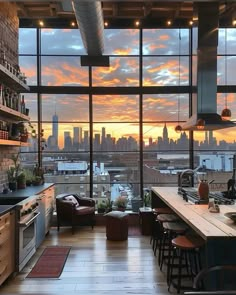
23 104
1 93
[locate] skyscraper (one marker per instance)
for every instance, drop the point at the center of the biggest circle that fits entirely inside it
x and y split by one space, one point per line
55 129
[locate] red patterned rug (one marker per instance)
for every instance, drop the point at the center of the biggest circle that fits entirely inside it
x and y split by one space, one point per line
51 263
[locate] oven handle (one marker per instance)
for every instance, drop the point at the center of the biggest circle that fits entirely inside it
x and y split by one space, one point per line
30 221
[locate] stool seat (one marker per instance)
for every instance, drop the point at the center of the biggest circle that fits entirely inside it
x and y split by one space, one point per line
187 243
164 210
177 227
167 217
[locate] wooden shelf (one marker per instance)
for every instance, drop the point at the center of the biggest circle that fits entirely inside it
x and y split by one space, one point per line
13 143
12 80
11 115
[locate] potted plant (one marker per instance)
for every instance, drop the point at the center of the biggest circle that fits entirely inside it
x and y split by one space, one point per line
146 199
121 203
101 206
28 176
109 205
12 173
21 180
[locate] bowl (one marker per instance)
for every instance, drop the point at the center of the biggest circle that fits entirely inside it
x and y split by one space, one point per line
231 215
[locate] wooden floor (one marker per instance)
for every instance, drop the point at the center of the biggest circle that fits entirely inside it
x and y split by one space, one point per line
95 266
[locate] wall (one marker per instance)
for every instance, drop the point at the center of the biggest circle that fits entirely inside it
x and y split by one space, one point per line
9 24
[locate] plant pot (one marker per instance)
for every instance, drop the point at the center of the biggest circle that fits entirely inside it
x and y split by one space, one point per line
121 209
13 185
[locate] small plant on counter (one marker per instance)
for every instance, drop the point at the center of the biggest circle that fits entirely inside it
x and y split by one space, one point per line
146 199
101 206
21 180
13 172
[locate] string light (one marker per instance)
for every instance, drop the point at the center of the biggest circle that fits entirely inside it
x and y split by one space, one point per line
73 24
41 23
106 24
137 23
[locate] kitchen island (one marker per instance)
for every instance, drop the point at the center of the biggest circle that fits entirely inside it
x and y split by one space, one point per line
218 231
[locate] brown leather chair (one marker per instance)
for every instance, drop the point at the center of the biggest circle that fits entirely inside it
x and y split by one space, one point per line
73 210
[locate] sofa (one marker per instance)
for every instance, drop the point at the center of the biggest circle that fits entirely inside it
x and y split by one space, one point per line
73 210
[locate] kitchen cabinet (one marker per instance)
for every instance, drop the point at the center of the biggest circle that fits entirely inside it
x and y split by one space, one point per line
46 205
7 245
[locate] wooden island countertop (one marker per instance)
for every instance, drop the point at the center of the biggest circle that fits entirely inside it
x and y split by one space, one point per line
206 224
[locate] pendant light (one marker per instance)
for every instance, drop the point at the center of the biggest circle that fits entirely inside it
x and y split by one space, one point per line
178 128
226 113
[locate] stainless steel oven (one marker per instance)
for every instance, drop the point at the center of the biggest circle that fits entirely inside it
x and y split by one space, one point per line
27 223
27 239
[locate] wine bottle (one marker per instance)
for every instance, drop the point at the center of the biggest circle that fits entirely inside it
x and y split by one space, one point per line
23 104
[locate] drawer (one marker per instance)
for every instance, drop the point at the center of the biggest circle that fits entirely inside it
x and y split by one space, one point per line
5 249
4 219
4 233
5 269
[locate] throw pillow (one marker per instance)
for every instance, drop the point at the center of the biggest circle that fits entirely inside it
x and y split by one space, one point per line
72 200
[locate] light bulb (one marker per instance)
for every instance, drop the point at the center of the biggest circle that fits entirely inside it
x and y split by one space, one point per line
178 129
226 114
200 124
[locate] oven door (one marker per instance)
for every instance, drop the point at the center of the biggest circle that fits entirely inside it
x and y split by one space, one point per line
27 240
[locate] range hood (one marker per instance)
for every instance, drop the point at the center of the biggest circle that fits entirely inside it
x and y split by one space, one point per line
204 96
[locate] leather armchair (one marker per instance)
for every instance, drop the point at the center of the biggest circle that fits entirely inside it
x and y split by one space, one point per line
73 210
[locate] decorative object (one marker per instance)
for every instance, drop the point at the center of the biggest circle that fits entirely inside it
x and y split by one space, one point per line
13 172
178 128
101 206
146 199
203 190
50 263
226 113
121 203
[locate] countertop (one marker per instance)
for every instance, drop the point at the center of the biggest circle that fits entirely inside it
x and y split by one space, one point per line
5 209
206 224
28 191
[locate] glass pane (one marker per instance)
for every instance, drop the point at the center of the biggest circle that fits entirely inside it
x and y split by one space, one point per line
26 47
161 71
62 42
63 71
68 107
28 66
229 38
165 107
69 171
116 137
115 108
123 71
163 138
128 46
70 137
121 175
165 41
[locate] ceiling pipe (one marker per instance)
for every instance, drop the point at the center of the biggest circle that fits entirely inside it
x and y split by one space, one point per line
89 18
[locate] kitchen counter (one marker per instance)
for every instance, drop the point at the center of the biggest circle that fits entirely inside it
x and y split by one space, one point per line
5 209
28 191
218 231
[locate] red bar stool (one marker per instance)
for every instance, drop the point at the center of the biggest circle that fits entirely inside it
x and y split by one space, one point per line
188 247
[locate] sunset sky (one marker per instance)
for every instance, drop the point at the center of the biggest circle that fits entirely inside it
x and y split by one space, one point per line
123 47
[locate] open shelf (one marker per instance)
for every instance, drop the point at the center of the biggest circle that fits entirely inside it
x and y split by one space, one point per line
12 115
12 80
13 142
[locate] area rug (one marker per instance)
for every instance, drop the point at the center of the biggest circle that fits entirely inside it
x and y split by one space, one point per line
134 231
51 263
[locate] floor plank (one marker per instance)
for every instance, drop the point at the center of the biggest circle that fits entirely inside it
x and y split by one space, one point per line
95 266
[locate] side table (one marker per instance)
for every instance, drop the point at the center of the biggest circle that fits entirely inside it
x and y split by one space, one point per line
145 220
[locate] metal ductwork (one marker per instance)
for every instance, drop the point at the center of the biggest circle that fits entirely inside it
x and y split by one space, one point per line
204 99
89 17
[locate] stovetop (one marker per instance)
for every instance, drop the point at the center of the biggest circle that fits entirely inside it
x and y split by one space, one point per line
190 194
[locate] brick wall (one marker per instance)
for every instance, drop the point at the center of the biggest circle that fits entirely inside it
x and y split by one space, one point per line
9 24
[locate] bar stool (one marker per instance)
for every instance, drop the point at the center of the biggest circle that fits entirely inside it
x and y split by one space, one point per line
171 230
161 218
188 247
155 225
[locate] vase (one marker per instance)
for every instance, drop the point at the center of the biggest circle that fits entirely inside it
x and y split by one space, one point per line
203 190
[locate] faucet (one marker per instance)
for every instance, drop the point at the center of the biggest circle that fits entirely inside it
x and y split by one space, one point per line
186 177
